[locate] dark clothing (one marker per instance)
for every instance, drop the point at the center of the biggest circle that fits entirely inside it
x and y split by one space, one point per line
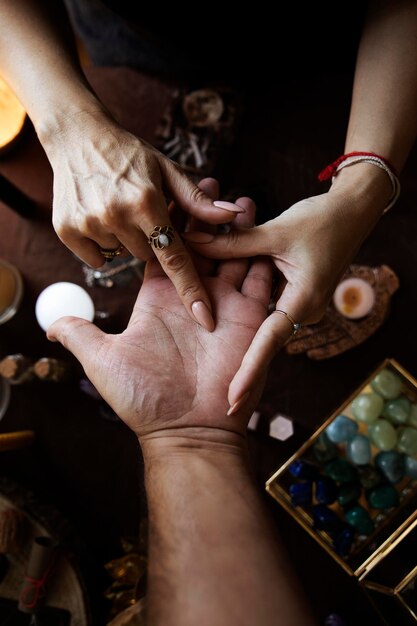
252 47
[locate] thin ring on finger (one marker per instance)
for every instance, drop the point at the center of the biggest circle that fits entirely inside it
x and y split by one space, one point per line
295 325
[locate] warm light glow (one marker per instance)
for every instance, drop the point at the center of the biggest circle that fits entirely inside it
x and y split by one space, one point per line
12 115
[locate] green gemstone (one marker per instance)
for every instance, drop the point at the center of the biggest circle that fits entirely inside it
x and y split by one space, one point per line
383 497
383 434
367 407
323 449
348 493
340 470
369 476
360 519
407 440
397 411
412 418
387 384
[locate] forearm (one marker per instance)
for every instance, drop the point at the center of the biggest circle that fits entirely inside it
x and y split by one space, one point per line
383 115
214 557
38 60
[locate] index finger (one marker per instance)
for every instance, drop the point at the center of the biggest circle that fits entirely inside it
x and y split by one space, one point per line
178 266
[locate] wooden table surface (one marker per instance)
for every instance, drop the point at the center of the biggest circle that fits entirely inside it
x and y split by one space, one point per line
88 467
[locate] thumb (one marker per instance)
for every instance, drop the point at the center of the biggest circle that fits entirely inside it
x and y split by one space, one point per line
237 243
194 200
78 336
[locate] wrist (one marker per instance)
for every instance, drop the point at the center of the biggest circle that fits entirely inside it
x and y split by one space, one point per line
181 443
59 120
366 188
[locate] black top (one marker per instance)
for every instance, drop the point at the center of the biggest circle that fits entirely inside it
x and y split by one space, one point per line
247 46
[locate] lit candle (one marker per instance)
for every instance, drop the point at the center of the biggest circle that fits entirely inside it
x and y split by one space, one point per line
61 299
354 298
12 115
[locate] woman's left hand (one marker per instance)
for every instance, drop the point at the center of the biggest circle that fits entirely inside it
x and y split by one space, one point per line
311 245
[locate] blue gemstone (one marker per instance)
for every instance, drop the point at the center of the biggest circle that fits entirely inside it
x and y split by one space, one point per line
303 470
326 490
343 541
324 518
301 493
359 450
391 464
411 467
341 429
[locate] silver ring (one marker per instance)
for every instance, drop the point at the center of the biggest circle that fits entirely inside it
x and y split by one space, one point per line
295 325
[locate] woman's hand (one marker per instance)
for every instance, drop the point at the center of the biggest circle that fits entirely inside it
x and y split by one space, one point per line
311 245
109 190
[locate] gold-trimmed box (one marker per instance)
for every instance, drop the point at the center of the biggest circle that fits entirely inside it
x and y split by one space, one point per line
390 579
389 524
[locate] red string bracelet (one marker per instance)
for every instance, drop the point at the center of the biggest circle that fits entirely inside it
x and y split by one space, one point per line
346 160
330 170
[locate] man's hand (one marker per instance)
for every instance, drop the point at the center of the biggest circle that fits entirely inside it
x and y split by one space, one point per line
164 373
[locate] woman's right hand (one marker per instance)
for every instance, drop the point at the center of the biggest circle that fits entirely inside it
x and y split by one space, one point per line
109 190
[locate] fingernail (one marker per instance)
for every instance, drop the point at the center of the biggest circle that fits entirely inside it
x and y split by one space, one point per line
235 408
202 314
197 237
228 206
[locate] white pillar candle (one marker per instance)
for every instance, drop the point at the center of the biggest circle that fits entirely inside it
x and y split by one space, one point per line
61 299
354 298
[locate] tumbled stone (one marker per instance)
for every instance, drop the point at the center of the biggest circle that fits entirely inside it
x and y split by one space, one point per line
341 429
412 418
301 493
391 464
303 469
367 407
340 470
387 384
359 450
407 440
323 449
383 497
360 519
369 476
324 518
281 427
326 490
397 411
410 466
343 540
348 493
383 434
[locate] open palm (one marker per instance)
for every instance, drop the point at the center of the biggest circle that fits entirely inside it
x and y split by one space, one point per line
165 371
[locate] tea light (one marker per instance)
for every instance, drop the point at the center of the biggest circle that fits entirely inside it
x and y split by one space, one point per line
354 298
61 299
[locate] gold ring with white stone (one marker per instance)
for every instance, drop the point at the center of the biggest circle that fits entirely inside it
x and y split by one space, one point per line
161 237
